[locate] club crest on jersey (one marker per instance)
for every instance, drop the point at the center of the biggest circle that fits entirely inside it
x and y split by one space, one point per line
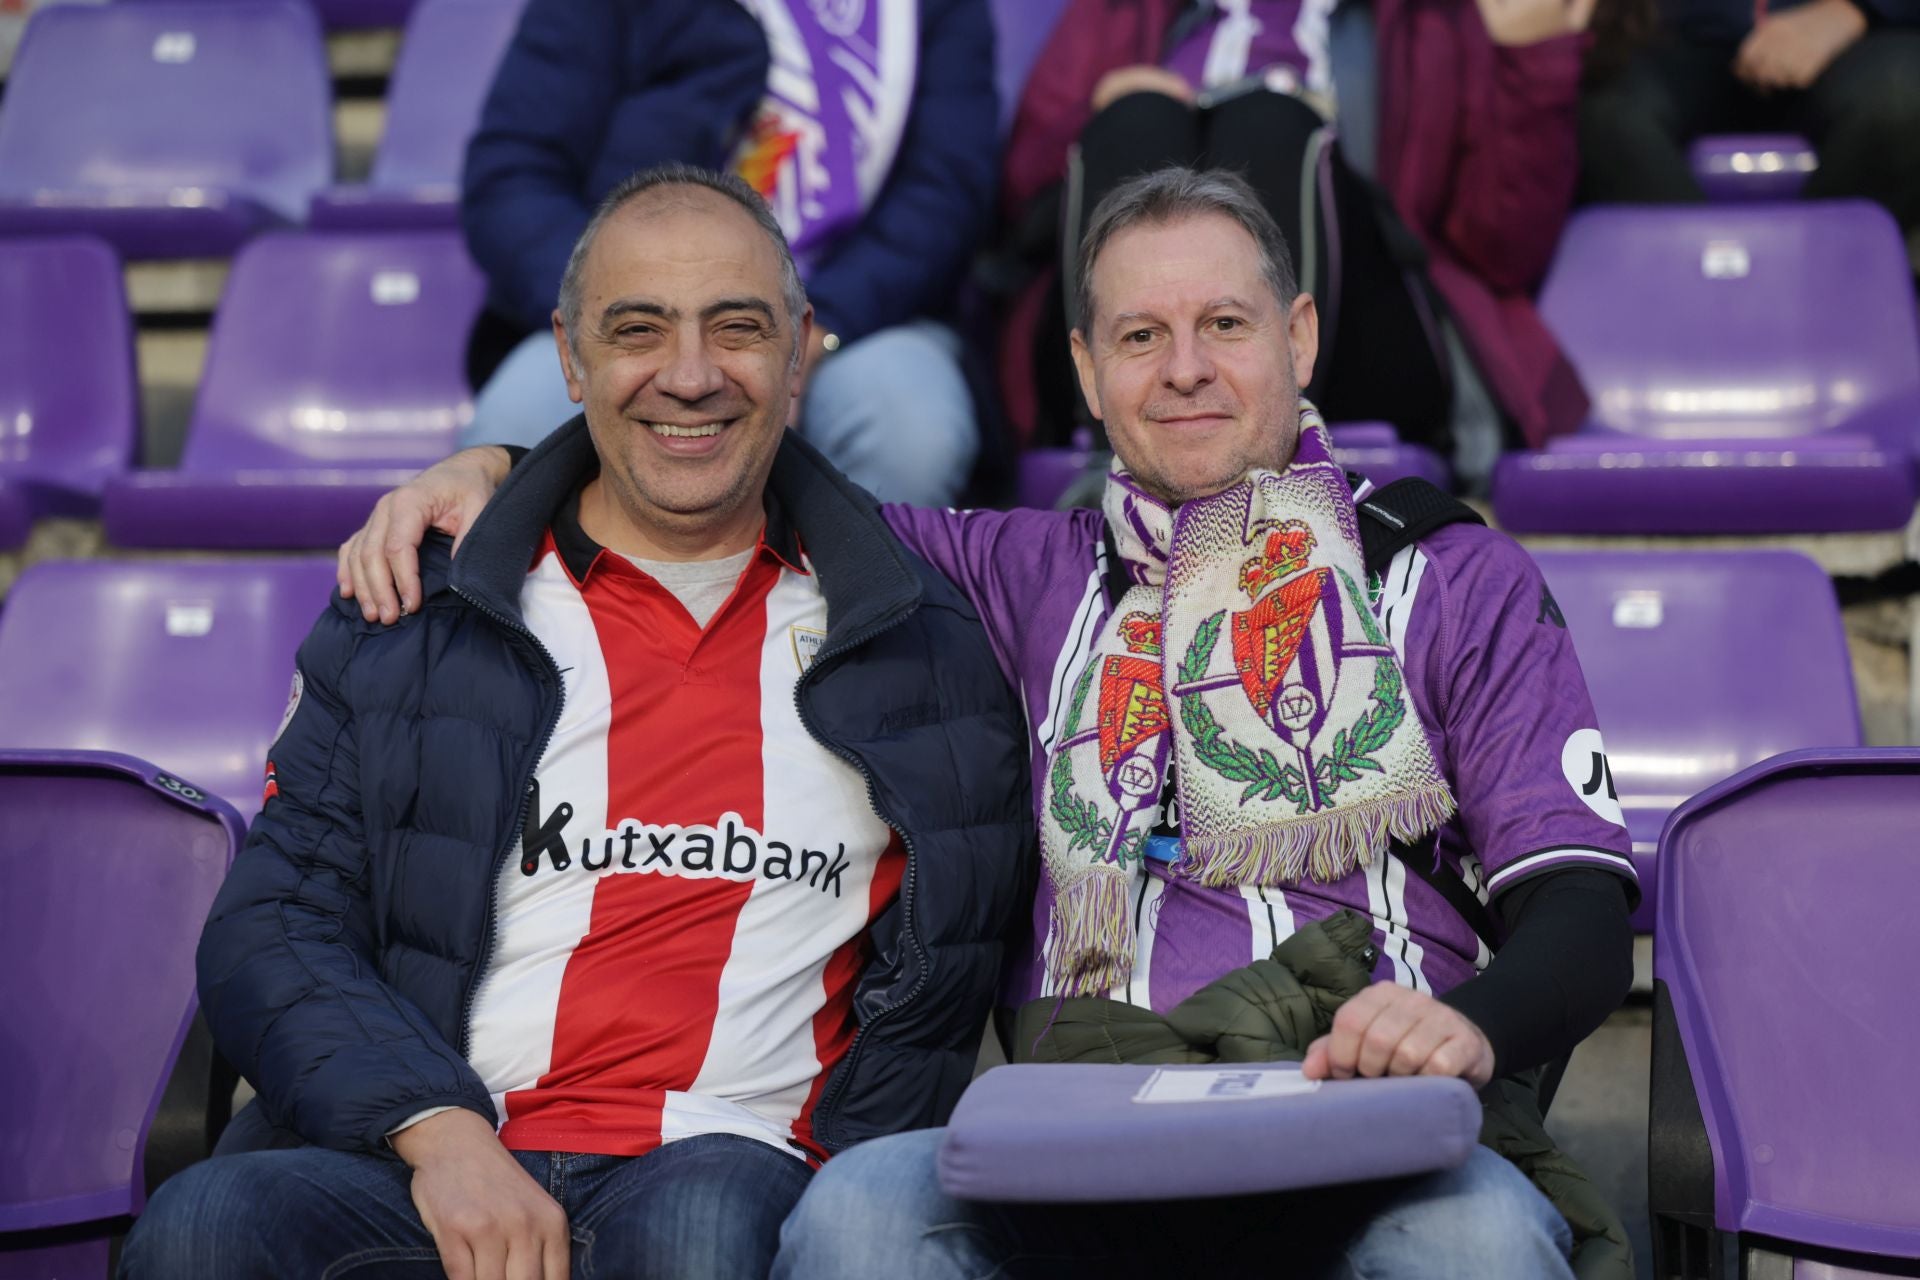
807 644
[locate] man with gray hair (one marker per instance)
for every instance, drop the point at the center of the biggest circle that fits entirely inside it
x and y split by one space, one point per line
666 848
1249 723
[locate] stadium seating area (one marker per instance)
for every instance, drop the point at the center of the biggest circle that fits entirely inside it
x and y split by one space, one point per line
1754 367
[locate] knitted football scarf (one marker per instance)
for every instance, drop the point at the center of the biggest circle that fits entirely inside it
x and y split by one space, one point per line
1246 654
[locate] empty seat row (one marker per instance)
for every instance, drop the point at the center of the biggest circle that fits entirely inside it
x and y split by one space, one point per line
1753 369
180 128
335 370
1701 664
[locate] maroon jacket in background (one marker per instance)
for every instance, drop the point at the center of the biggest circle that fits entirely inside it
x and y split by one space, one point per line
1478 151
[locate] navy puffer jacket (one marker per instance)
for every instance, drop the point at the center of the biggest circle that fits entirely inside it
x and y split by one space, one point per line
338 968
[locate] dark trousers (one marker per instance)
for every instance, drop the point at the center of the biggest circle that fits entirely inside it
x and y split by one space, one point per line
1381 356
703 1208
1862 116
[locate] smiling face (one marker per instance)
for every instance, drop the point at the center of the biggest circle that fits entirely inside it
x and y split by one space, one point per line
683 362
1189 359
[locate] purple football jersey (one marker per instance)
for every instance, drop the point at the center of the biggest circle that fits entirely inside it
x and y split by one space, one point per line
1492 673
1244 38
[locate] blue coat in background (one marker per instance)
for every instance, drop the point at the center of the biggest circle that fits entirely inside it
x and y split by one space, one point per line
591 91
338 966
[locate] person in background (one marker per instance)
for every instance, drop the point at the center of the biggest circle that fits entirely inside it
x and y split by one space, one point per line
1845 73
870 129
1422 230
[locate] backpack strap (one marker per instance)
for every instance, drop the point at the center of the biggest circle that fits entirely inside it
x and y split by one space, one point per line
1395 516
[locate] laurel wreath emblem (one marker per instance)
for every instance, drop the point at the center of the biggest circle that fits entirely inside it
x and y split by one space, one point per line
1349 754
1081 820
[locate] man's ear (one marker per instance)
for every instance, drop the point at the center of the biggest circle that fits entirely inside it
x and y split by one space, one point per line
1083 365
797 362
1303 337
575 392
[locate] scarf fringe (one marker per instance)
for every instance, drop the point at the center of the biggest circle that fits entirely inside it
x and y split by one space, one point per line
1092 950
1324 847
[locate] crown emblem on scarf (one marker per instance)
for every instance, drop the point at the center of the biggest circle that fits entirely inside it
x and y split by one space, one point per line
1285 553
1140 632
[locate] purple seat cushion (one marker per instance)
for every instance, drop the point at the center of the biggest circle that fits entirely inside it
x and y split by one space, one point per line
173 129
1608 483
1683 652
1375 450
291 509
1784 893
1074 1132
185 664
447 62
1752 166
347 14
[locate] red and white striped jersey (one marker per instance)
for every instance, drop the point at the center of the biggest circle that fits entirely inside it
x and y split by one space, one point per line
682 928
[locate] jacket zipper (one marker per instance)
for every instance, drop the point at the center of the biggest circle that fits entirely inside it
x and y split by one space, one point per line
519 825
844 1070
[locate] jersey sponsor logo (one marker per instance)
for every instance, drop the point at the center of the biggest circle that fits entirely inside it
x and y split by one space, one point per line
726 850
1584 762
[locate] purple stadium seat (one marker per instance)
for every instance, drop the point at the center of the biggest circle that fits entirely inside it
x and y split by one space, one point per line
1752 166
1371 448
1020 31
446 65
69 410
1784 1034
335 371
1052 1132
173 129
346 14
110 866
1701 664
184 664
1752 368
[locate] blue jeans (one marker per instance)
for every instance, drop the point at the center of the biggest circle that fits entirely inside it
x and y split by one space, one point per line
876 1212
892 410
704 1208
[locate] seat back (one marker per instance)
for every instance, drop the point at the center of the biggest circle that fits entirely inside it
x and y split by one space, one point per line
1702 663
1785 894
69 408
338 350
181 663
110 866
184 98
1756 322
446 65
1021 29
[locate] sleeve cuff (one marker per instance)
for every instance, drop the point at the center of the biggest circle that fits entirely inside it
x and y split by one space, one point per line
1559 858
415 1119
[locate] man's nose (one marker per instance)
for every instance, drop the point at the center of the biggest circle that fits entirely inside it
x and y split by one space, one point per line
690 373
1187 366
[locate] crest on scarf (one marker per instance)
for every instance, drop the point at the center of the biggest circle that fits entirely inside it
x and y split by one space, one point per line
1134 732
1287 650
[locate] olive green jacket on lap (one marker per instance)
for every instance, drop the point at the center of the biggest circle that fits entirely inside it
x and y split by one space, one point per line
1270 1011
